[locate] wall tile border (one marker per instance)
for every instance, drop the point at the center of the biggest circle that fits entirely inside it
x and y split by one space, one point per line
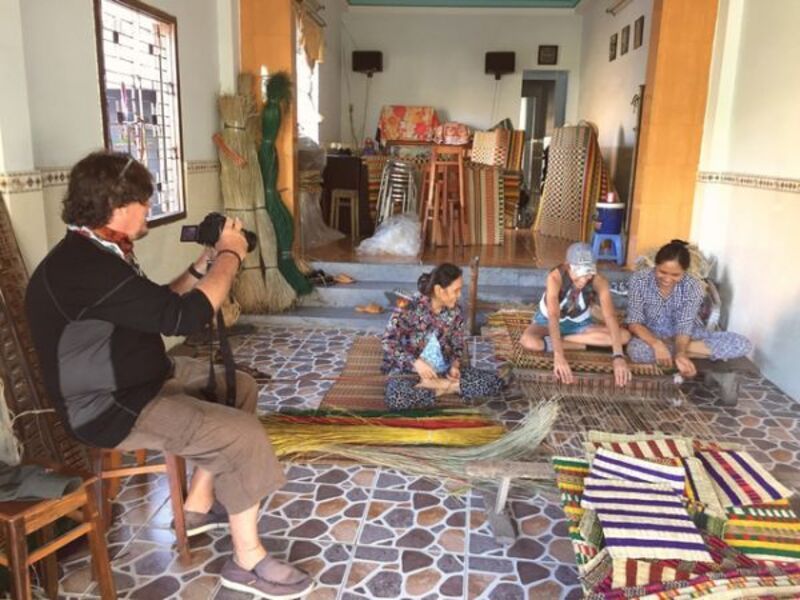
55 176
761 182
19 182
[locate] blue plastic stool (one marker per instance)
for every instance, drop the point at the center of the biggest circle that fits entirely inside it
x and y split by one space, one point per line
617 253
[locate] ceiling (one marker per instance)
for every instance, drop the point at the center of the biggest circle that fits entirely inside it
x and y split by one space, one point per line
471 3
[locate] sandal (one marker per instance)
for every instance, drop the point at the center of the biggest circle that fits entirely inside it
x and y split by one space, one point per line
371 308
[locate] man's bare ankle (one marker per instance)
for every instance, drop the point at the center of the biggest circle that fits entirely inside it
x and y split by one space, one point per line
198 506
249 559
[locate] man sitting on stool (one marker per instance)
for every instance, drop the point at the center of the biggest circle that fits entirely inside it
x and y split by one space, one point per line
97 323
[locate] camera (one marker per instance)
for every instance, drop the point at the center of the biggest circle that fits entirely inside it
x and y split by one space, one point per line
207 232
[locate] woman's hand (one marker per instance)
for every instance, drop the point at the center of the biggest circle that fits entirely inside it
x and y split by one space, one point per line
454 374
685 365
663 355
424 370
561 369
622 374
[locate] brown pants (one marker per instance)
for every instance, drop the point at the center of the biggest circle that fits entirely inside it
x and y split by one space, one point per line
228 442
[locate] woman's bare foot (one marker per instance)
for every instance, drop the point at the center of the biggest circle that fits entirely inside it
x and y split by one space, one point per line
440 386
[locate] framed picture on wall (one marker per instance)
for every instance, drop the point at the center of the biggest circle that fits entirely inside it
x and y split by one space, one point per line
612 48
548 55
625 40
638 32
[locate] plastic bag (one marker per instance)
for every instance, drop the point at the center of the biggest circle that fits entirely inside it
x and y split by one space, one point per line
314 230
9 445
399 234
310 155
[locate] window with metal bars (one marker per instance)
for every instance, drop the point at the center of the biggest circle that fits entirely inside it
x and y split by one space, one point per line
137 48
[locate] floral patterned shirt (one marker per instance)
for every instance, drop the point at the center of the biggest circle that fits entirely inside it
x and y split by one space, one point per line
410 328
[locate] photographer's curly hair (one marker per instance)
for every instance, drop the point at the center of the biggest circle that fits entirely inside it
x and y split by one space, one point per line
101 182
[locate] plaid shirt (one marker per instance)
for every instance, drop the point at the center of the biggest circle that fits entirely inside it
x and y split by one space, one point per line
665 317
410 328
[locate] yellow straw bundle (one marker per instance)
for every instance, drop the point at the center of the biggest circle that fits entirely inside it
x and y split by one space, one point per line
295 439
259 287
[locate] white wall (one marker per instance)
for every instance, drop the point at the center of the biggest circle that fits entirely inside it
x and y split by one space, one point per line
607 87
752 127
435 57
330 74
66 121
16 153
63 83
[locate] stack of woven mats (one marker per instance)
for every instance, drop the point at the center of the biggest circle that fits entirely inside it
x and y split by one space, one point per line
661 517
576 180
512 184
485 205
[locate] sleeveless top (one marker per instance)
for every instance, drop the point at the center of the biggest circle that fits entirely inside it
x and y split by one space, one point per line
575 303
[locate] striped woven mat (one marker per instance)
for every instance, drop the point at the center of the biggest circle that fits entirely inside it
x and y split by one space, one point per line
485 205
360 385
607 579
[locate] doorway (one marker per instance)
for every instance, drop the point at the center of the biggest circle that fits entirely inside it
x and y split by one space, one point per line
544 104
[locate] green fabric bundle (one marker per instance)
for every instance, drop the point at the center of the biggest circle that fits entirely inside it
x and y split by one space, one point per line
278 94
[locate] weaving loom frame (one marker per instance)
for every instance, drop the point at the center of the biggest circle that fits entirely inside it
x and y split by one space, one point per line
43 436
593 371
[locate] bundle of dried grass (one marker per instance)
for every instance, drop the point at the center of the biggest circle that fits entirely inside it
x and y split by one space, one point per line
231 311
260 287
448 462
293 439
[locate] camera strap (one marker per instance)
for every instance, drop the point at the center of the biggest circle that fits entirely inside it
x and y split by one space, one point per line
210 390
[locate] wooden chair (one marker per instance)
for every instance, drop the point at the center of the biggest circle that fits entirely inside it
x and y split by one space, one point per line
445 201
108 467
20 519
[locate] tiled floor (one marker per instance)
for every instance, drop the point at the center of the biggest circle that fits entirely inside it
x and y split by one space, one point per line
375 533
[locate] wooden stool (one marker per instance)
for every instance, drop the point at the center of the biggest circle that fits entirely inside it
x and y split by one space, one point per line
19 519
445 202
348 198
107 466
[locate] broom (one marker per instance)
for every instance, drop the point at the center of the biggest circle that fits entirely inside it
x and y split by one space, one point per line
279 89
277 295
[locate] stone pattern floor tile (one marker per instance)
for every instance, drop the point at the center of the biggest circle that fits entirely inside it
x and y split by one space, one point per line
368 532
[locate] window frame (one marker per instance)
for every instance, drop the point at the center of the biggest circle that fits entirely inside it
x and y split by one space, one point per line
160 15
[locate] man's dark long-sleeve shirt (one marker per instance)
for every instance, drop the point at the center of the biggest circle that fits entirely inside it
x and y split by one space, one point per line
97 326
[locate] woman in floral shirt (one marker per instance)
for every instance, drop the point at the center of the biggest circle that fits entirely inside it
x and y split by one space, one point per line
423 346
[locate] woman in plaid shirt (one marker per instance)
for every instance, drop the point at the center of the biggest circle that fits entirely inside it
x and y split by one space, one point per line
663 315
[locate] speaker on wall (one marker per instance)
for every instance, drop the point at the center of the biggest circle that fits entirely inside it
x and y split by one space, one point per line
499 63
367 61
